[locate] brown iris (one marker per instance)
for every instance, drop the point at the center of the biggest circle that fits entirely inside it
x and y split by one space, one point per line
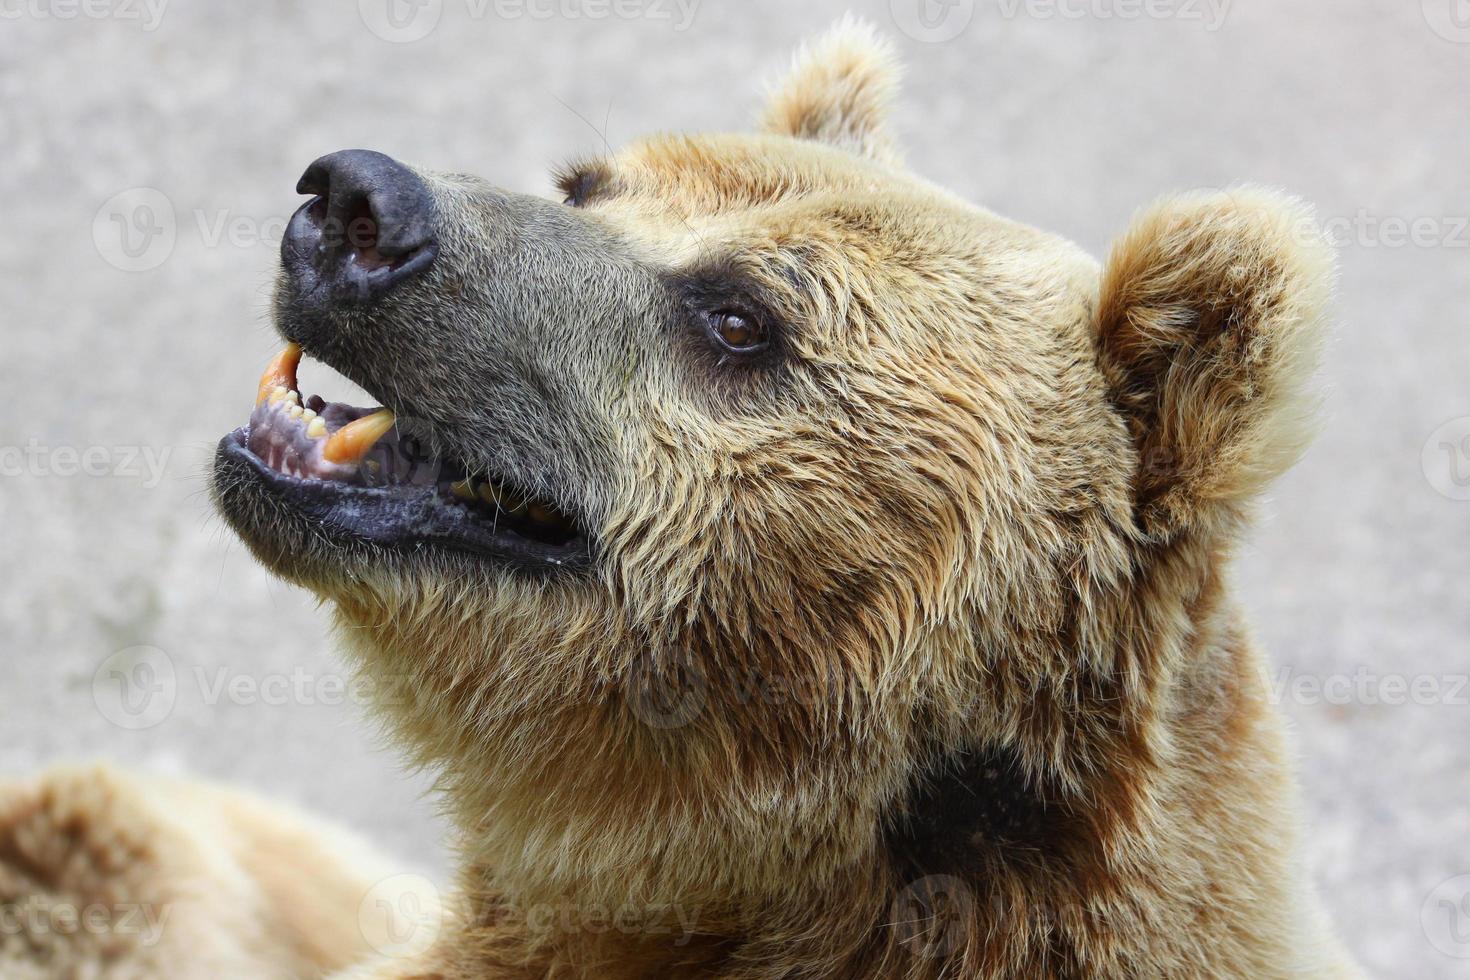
738 331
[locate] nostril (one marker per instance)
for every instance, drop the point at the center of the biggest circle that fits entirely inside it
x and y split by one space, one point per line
360 228
370 225
361 233
384 197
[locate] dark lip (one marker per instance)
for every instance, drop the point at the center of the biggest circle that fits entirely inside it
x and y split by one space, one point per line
401 517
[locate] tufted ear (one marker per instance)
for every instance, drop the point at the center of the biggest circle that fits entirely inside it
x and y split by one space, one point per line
838 92
1208 329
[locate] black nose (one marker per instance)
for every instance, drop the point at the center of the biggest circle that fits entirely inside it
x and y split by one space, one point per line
369 227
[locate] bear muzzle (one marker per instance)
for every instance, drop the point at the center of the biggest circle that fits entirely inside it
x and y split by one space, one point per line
369 226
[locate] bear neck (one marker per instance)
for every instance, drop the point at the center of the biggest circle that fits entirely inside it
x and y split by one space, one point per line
1136 783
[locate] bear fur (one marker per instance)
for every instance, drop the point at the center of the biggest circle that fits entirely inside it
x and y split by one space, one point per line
909 655
126 877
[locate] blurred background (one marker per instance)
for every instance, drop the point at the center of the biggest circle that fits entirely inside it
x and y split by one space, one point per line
148 155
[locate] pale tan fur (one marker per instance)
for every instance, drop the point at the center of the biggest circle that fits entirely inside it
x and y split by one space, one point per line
975 548
839 92
111 876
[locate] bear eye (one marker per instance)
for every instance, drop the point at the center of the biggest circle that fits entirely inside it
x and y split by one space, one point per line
738 331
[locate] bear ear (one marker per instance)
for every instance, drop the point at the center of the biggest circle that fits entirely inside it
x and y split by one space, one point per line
838 92
1208 329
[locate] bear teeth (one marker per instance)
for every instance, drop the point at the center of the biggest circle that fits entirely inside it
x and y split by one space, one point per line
311 439
492 498
350 444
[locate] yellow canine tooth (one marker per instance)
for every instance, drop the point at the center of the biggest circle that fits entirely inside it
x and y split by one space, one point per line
279 394
351 442
280 373
462 490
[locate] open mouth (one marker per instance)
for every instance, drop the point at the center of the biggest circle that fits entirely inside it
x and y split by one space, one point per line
362 474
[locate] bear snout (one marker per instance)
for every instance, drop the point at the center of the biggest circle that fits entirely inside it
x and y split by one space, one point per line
370 225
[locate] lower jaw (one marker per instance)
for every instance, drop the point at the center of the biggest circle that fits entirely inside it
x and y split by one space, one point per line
294 519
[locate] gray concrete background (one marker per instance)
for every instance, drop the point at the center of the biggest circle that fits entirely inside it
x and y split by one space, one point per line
1068 115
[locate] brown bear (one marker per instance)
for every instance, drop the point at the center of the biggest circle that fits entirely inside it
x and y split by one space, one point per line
791 569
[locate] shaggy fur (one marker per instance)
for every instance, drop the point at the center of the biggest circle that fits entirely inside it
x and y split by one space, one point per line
908 651
133 878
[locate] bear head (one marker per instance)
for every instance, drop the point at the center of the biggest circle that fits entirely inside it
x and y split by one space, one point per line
738 507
